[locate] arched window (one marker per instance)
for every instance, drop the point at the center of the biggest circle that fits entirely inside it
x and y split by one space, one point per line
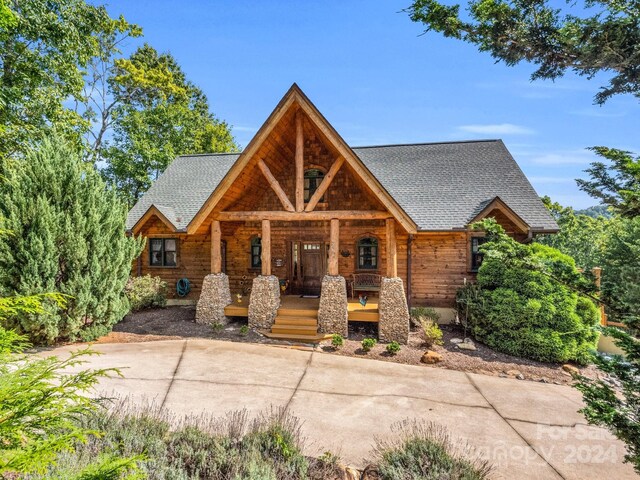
368 253
256 252
312 179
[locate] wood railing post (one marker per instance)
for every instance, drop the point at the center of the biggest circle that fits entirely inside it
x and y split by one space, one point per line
299 163
216 255
334 247
266 247
392 255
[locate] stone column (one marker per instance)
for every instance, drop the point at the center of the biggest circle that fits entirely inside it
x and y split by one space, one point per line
393 311
214 296
264 301
333 314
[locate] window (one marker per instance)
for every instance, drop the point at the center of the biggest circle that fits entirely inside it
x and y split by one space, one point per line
163 252
476 255
368 253
256 252
312 180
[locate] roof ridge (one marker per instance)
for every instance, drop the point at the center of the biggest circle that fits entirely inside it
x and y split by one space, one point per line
430 143
212 154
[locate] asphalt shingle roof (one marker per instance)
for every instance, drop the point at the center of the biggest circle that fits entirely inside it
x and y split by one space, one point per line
441 186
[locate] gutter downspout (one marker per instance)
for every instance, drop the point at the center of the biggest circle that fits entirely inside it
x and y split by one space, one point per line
409 242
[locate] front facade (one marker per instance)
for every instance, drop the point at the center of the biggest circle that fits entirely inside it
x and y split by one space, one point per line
300 205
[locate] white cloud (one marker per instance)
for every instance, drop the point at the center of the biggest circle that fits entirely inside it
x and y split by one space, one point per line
497 129
549 180
563 158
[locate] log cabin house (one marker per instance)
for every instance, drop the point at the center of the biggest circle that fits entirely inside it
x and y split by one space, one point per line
300 207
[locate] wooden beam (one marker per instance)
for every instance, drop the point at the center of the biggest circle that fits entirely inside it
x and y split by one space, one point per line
216 254
275 186
392 254
324 185
256 216
334 246
266 247
299 163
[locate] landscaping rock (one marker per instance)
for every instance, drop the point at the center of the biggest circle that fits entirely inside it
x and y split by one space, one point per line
333 313
393 324
466 346
264 301
570 369
214 296
430 357
456 340
520 376
513 373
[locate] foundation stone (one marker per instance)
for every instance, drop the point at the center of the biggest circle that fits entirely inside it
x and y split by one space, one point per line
214 296
333 314
393 311
264 301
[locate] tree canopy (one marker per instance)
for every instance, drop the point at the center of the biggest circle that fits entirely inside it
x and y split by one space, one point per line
593 36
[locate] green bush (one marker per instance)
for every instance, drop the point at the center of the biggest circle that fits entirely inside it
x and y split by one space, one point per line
146 292
368 344
68 236
244 330
336 340
217 327
393 348
268 447
432 332
525 303
425 451
420 313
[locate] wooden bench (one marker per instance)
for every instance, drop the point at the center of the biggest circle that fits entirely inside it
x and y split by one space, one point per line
365 282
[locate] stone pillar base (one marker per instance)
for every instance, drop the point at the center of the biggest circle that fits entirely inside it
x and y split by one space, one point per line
394 312
333 314
264 301
215 295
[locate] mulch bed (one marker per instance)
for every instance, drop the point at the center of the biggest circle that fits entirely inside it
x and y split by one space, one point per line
179 322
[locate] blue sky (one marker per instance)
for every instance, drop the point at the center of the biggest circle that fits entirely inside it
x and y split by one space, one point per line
368 70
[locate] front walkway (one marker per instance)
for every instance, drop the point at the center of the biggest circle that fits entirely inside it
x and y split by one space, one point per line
528 430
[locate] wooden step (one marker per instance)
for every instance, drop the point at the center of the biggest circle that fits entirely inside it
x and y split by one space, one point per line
298 338
297 312
286 320
295 329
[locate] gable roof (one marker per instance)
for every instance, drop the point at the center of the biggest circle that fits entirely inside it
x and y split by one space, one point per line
296 99
440 186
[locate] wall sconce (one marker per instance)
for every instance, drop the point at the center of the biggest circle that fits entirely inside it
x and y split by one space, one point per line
279 262
345 253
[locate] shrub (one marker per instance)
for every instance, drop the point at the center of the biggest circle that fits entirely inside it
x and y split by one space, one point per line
425 451
525 302
368 344
146 292
393 348
217 327
432 332
420 313
244 330
68 236
336 340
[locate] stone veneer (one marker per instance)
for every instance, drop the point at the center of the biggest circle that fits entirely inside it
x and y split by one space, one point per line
214 296
332 313
393 311
264 301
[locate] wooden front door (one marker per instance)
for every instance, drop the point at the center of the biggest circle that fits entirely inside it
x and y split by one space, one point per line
311 269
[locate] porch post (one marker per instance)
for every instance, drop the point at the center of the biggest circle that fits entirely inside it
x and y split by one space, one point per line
299 157
216 257
266 248
334 247
392 255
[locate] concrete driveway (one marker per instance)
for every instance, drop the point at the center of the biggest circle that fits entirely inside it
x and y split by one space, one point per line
527 430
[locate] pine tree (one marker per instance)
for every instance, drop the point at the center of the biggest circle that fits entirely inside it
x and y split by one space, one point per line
67 236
